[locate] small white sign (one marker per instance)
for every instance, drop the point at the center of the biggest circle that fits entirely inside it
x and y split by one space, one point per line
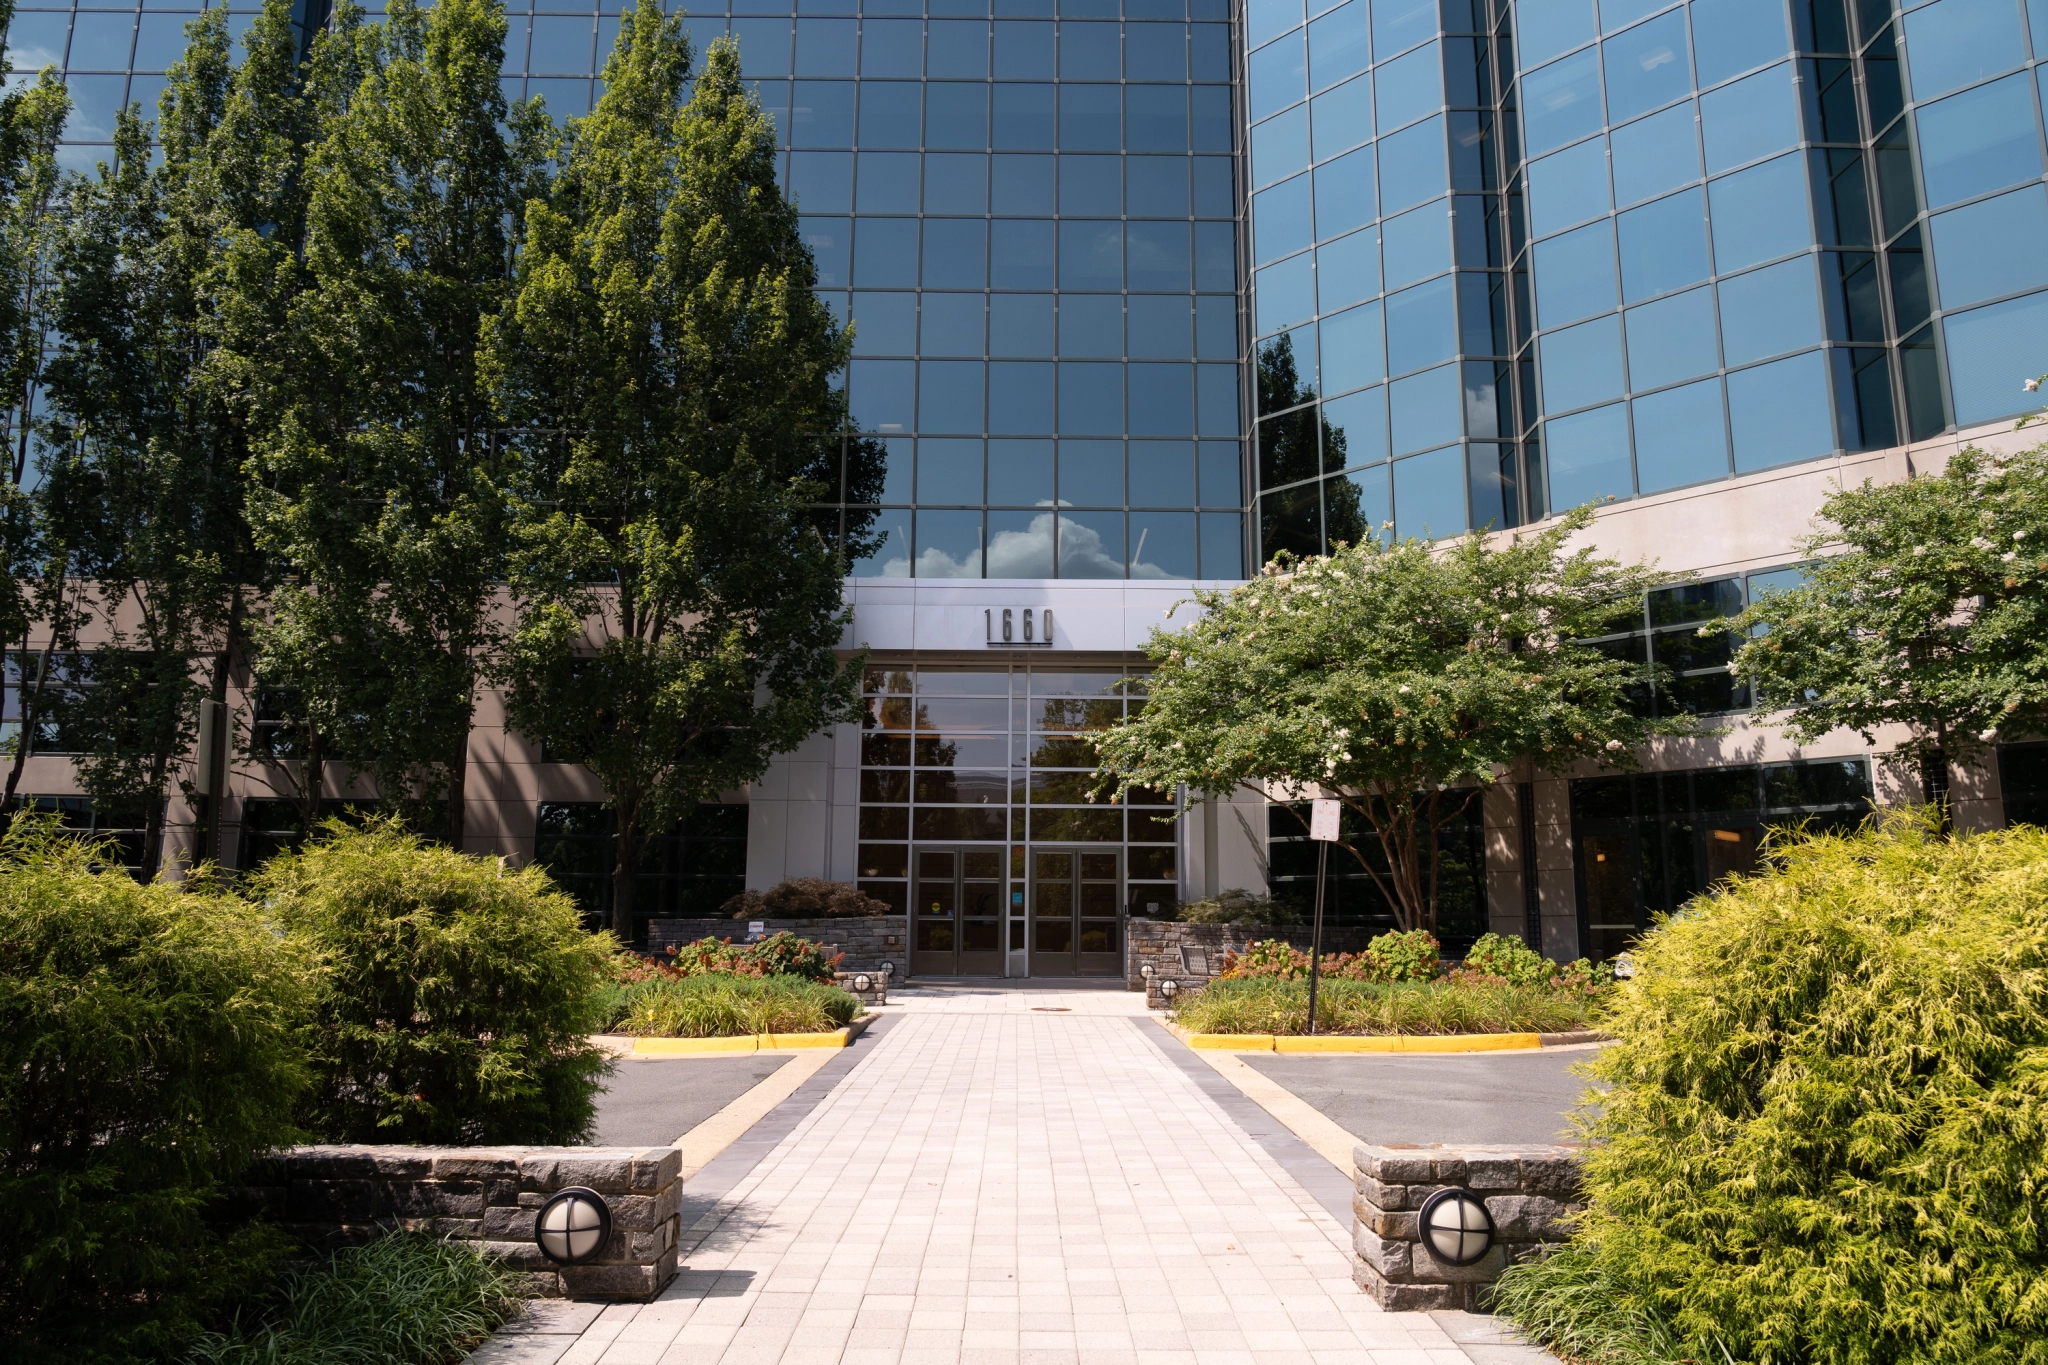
756 928
1322 824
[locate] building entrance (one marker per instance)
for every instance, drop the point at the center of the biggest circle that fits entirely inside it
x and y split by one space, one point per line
956 912
1076 912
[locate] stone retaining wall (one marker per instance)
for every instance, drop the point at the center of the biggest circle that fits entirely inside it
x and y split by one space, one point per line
335 1195
1527 1192
867 941
1159 944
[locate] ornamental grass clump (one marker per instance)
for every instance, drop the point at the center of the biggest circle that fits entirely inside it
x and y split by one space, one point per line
1272 1004
720 1005
1827 1134
404 1299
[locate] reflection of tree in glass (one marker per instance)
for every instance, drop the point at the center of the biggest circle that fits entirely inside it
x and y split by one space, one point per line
1297 446
867 465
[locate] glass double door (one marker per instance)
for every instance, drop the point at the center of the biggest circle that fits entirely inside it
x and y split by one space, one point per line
956 903
1076 912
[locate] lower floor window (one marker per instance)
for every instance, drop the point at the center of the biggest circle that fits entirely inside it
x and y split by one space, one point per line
1352 898
1647 843
126 825
686 873
2023 778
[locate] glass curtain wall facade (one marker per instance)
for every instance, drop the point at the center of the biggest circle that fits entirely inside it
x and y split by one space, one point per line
1657 245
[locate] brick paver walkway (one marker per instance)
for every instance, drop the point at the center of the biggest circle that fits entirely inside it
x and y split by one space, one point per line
1001 1183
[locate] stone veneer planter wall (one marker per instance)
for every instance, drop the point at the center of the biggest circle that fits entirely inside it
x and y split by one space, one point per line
867 941
1527 1192
333 1195
1159 944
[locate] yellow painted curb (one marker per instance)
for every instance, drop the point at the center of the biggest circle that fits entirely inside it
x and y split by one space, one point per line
788 1042
677 1047
1411 1042
1229 1042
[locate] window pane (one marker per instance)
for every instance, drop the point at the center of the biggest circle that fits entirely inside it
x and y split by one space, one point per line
1952 43
955 182
822 182
1021 117
1992 247
1561 102
949 396
1156 186
1545 28
1090 187
1348 269
1779 413
1091 118
1091 399
1429 495
1155 119
1575 275
1344 193
1020 473
1280 220
1655 154
952 324
957 47
1285 294
1760 213
1162 544
1089 52
1582 365
1276 76
1158 254
1408 88
1991 352
1355 428
1162 474
1020 324
1732 36
1280 147
1091 326
1981 140
1769 312
880 393
1398 25
1680 437
892 47
1588 455
948 471
1752 118
821 114
1091 544
1339 45
1568 187
1020 399
887 182
1156 52
956 115
1353 353
1663 246
884 324
1341 117
1672 339
1268 19
1159 328
1412 166
1021 544
1647 67
1422 327
1162 400
1425 409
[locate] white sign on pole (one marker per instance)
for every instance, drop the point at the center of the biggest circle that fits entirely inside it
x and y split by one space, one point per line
1322 823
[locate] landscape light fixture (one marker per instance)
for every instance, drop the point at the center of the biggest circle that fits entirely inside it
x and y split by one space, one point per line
1167 988
1146 971
573 1226
1455 1227
863 982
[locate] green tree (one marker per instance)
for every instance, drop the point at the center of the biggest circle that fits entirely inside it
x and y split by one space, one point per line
41 590
666 369
1402 679
1926 607
380 464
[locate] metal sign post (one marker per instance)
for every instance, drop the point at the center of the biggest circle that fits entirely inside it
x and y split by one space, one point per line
1322 827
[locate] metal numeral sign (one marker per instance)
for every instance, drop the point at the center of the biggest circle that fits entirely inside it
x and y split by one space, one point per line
1003 633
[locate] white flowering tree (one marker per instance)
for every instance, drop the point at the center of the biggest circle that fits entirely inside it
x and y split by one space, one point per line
1926 607
1403 679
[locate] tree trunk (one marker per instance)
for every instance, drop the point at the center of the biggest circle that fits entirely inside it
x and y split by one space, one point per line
1934 785
458 780
624 869
222 762
31 716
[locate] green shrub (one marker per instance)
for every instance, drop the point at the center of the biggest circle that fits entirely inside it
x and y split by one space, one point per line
779 954
405 1299
1410 955
1510 959
804 898
147 1055
1272 1004
724 1006
1827 1137
1238 906
458 997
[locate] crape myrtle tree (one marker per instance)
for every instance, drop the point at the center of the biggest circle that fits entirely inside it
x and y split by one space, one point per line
1926 607
1401 678
380 458
665 370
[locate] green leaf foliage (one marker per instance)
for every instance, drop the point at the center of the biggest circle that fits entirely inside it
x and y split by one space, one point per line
148 1053
457 998
723 1005
1401 678
665 370
1277 1004
1927 607
1827 1136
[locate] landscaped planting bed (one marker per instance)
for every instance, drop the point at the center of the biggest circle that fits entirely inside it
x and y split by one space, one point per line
1396 986
719 989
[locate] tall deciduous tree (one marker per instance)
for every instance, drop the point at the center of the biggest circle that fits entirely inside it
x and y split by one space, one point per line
667 369
1401 679
1926 607
381 463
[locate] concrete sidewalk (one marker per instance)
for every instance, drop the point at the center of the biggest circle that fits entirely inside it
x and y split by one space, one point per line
1012 1178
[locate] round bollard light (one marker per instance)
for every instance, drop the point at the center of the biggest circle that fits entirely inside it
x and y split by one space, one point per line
1455 1227
1167 988
862 983
572 1227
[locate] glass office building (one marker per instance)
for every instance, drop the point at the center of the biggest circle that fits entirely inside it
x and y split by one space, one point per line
1146 291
